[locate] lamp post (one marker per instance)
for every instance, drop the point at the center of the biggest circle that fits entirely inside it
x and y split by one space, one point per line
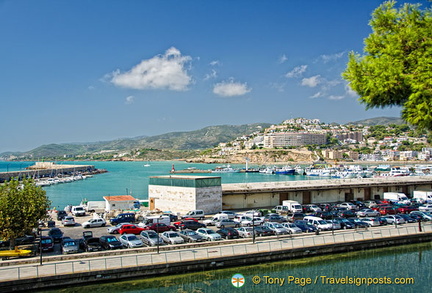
40 246
157 231
253 227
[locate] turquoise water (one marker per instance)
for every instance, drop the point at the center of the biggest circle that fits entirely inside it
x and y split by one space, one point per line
132 178
379 265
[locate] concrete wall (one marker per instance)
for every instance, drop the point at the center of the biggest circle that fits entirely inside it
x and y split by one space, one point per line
252 200
184 199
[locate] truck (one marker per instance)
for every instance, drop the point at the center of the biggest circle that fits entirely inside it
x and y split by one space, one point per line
422 196
95 206
396 197
289 206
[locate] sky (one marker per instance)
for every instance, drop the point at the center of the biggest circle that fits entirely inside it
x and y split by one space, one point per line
98 70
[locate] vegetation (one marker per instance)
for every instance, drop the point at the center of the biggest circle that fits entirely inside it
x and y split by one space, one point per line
396 67
22 205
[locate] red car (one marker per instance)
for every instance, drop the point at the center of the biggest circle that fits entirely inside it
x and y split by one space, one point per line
160 227
177 224
130 229
387 211
406 209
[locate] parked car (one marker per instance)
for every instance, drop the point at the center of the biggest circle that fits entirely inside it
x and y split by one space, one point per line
91 244
123 218
312 208
387 210
407 218
406 209
294 217
345 223
151 238
61 214
56 234
392 219
305 226
347 214
69 245
130 229
335 224
367 213
292 228
263 231
190 224
172 237
191 236
425 208
277 228
114 229
245 232
348 205
47 243
209 234
227 223
275 218
68 221
130 241
228 233
96 222
426 216
372 222
359 223
231 215
110 242
160 227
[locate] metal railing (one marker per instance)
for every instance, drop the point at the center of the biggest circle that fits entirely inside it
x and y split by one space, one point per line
189 254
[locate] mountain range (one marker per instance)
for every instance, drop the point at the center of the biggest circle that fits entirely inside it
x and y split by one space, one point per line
204 138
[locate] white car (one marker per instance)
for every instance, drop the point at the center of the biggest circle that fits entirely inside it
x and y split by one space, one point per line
172 237
348 205
245 232
209 234
68 221
131 241
371 221
425 208
98 222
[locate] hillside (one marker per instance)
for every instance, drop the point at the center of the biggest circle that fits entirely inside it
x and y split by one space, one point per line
204 138
379 121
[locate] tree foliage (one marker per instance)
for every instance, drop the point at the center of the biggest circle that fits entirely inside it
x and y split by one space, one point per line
396 69
22 205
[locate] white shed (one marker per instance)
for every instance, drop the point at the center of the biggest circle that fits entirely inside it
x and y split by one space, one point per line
120 202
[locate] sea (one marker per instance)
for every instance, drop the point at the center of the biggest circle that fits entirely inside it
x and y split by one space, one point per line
393 269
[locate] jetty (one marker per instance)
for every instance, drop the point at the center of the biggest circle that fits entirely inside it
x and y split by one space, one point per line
49 170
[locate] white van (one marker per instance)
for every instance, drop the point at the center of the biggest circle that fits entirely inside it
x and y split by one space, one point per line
217 218
398 197
148 220
422 196
78 211
318 222
196 214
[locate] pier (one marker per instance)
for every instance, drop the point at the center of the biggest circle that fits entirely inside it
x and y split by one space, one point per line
46 169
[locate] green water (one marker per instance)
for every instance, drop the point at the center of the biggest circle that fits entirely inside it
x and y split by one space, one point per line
380 265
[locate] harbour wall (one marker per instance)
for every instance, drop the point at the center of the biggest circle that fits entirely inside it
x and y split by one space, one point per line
48 172
100 276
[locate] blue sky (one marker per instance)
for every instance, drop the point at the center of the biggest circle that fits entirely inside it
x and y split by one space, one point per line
86 71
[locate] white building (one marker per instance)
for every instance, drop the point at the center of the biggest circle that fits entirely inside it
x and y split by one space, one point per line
120 202
180 194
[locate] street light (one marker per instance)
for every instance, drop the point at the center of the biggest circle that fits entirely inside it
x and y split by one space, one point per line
40 246
253 227
157 231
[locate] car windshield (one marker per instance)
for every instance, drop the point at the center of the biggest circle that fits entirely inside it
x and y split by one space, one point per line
277 226
172 235
111 239
70 243
46 241
190 233
322 222
132 237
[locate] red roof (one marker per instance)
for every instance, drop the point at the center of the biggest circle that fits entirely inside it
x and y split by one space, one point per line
119 198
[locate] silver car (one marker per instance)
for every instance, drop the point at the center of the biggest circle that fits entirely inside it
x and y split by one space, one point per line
172 237
151 238
209 234
69 245
277 228
131 241
191 236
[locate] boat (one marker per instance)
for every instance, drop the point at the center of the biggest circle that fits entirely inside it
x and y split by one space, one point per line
225 169
286 170
4 254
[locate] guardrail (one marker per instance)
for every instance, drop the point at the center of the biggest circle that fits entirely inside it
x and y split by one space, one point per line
261 245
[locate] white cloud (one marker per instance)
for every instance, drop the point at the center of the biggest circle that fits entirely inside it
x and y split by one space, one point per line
215 62
297 71
129 100
283 59
333 97
230 89
311 81
333 57
166 71
212 74
317 95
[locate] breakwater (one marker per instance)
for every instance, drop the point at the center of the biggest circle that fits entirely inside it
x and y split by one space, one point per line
139 265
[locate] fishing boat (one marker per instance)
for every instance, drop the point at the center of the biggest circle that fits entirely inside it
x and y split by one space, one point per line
225 169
